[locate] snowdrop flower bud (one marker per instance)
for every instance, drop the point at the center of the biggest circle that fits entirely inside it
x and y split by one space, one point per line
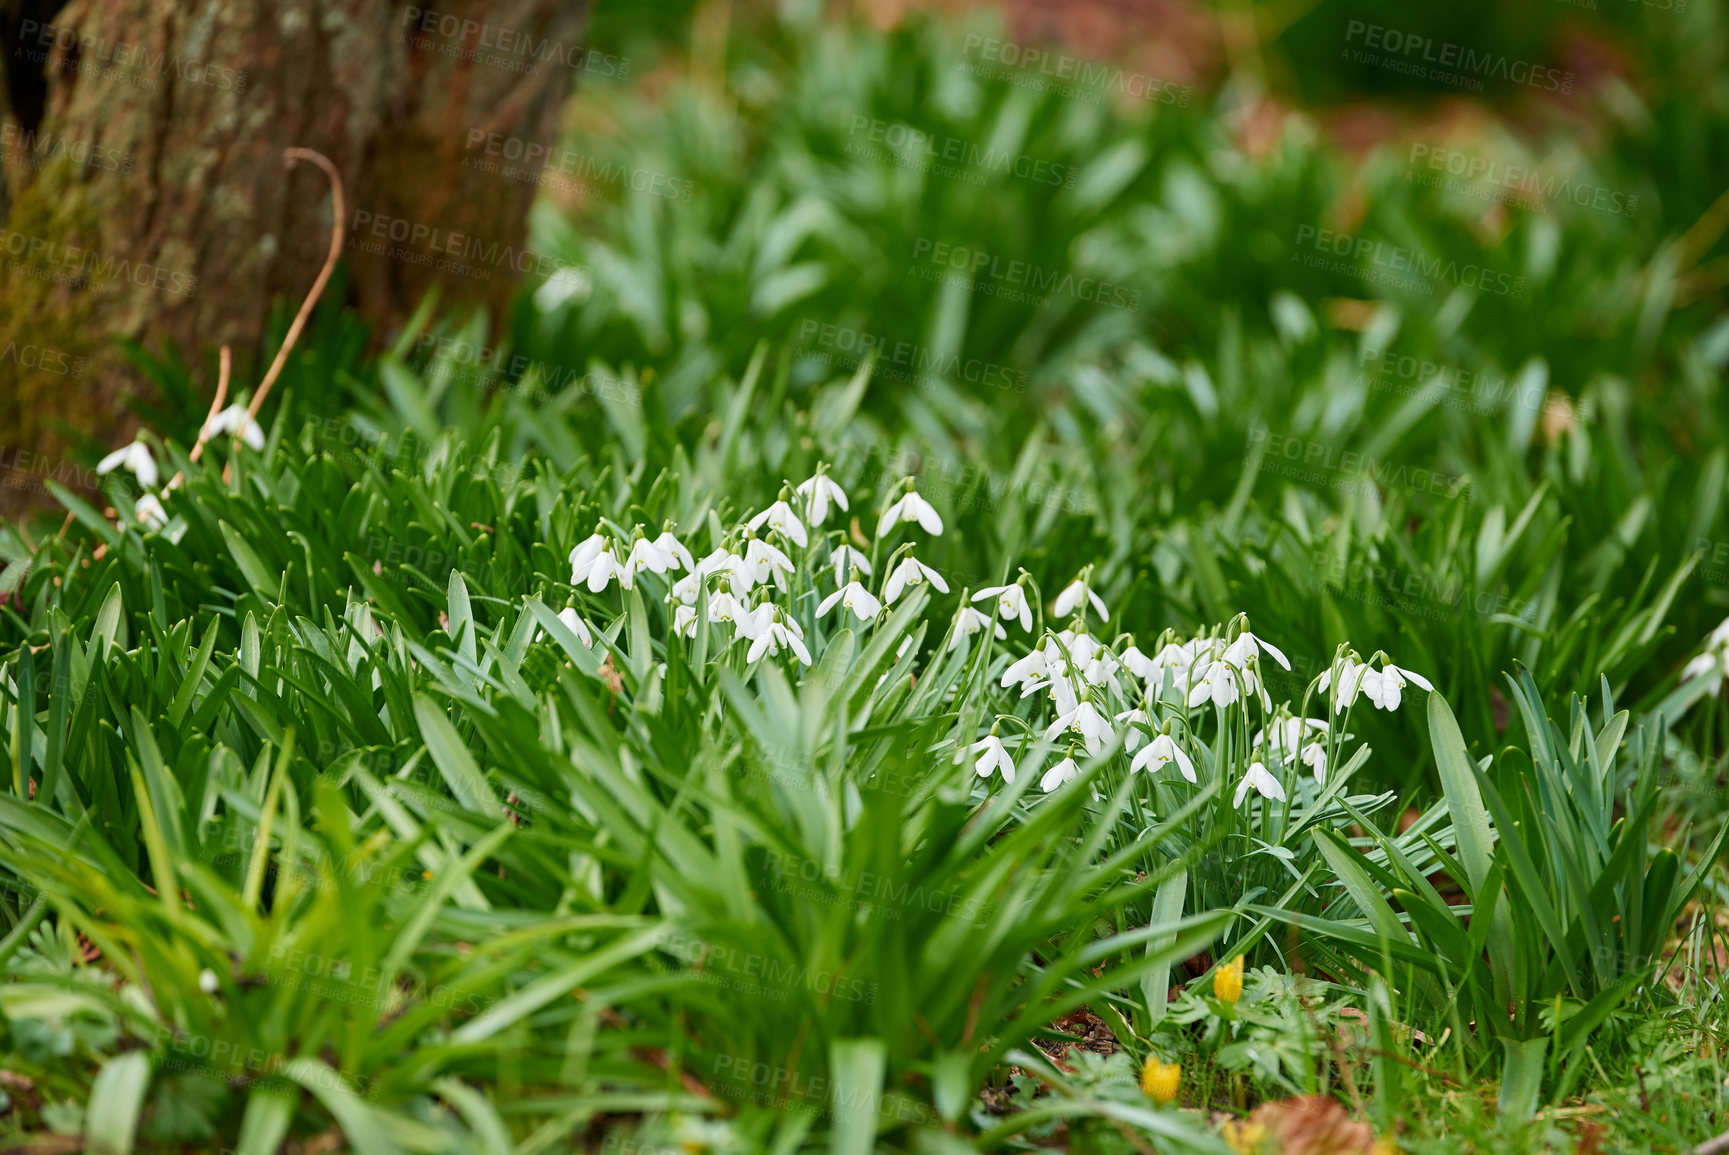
1011 603
993 756
1264 784
911 571
854 597
235 420
1075 593
911 507
574 623
136 459
968 622
819 490
1062 773
1162 751
781 518
150 513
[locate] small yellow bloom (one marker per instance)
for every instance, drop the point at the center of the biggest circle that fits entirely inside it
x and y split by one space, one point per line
1160 1079
1246 1138
1228 981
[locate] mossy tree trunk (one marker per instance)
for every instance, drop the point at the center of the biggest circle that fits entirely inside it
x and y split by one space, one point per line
144 194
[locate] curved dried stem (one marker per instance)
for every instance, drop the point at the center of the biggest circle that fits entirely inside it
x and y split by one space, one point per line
338 213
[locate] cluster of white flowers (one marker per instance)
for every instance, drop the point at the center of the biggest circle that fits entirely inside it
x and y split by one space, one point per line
736 582
136 459
1100 692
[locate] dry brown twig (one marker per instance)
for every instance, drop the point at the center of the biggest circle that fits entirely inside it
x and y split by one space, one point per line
338 210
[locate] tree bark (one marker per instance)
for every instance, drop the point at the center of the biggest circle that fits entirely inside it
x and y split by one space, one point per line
145 196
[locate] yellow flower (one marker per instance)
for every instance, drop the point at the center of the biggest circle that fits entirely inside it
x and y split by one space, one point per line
1160 1079
1228 981
1246 1138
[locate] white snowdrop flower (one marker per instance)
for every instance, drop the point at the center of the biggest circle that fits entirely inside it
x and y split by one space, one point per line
1074 594
1315 758
1713 663
854 597
1264 784
1284 738
848 561
1011 604
644 554
994 757
781 518
1218 683
1062 692
765 562
583 556
684 621
1132 735
968 622
1178 657
685 589
911 572
235 420
1101 668
604 568
150 513
724 608
1027 671
1083 719
208 982
1384 686
574 623
673 548
1349 680
911 507
774 636
1162 751
136 459
1248 646
819 490
740 572
1062 773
